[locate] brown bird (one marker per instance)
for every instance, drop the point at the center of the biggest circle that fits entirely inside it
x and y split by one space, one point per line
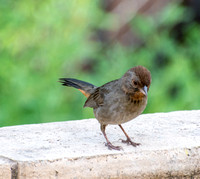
118 101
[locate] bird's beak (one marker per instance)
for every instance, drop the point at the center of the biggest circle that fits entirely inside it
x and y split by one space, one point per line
145 90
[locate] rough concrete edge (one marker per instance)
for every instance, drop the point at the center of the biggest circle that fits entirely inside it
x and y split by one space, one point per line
101 166
9 169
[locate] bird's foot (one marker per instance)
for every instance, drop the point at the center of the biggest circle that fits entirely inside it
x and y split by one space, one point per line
129 142
110 146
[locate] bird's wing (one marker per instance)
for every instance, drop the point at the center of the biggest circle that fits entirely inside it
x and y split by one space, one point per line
100 95
96 99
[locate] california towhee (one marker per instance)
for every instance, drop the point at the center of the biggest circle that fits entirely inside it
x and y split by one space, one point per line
118 101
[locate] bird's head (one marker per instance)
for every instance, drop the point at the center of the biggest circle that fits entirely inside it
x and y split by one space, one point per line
136 82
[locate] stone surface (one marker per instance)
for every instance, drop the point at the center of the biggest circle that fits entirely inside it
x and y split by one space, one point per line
170 148
7 168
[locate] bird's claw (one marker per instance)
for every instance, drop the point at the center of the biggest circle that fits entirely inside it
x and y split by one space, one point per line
110 146
129 142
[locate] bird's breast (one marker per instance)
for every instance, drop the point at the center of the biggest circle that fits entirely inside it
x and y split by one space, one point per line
120 110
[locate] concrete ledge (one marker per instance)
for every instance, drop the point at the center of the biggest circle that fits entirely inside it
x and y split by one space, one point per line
170 148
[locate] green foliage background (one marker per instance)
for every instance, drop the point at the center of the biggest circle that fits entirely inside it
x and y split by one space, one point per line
41 41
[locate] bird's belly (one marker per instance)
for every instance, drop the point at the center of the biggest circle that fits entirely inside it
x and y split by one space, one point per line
118 114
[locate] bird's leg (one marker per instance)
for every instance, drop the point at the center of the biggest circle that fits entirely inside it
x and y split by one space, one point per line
128 140
108 144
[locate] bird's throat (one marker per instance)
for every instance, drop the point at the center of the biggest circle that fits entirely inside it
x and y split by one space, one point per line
137 96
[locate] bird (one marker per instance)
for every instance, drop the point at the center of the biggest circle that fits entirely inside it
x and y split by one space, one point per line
117 101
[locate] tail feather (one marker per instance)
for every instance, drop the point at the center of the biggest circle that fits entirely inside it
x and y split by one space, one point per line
66 82
85 87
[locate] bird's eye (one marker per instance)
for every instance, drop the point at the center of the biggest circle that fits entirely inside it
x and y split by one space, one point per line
135 83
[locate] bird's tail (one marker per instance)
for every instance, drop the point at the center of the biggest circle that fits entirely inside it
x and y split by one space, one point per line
82 86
